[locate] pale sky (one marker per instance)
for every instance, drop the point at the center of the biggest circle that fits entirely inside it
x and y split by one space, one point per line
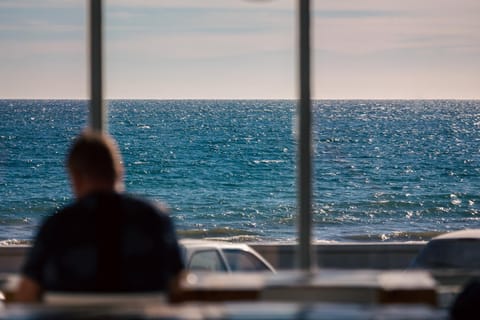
229 49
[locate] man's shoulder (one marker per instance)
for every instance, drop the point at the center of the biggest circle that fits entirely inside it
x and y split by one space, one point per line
132 205
142 203
141 206
69 217
68 211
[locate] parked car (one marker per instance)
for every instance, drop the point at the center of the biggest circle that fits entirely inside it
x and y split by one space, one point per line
218 256
453 259
455 250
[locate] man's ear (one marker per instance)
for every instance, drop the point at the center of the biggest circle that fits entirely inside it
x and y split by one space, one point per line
78 183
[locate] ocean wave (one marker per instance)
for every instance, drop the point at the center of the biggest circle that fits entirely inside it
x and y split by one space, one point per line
396 236
219 233
268 161
13 221
14 242
240 238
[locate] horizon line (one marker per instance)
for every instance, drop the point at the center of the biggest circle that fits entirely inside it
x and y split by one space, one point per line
226 99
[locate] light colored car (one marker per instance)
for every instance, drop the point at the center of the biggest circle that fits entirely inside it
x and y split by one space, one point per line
458 250
218 256
453 259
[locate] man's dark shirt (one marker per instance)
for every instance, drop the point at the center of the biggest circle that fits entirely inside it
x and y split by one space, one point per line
105 242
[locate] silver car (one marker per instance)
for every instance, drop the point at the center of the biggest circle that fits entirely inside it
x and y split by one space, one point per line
218 256
453 259
458 250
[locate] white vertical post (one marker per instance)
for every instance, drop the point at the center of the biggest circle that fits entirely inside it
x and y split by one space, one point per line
97 110
304 156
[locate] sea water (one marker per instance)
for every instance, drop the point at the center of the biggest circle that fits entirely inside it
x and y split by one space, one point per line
383 170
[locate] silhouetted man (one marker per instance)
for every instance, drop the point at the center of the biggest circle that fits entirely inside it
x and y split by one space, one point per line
105 241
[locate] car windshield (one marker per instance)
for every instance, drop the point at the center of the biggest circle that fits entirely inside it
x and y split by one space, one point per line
207 260
239 260
450 253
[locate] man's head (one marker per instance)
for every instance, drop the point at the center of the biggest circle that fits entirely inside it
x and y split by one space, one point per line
94 164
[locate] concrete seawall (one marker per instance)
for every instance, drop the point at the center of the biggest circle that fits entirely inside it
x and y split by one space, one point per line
282 256
11 258
394 255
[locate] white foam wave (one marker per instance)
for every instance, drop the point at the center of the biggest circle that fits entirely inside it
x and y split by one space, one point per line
268 161
14 242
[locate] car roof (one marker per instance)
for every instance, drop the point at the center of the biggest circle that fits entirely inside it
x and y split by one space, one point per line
190 245
212 243
461 234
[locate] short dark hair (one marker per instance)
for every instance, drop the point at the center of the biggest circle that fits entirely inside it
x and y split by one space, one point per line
96 156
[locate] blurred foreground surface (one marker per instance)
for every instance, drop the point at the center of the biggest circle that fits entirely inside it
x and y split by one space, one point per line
238 311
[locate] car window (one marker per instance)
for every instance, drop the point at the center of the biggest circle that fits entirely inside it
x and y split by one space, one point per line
239 260
206 260
457 253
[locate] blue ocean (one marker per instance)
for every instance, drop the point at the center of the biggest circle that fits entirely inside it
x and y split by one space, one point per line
388 170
